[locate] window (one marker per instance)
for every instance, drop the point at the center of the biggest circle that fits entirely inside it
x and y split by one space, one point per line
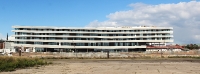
120 34
103 39
65 38
65 34
127 44
121 44
36 34
51 38
80 44
51 33
33 29
39 49
73 30
40 29
39 43
94 44
99 44
93 34
104 34
79 34
78 38
120 39
65 43
95 30
52 43
22 37
132 44
16 28
22 42
116 44
105 44
36 38
89 44
128 34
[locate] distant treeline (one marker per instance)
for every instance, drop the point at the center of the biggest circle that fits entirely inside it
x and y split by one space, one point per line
192 46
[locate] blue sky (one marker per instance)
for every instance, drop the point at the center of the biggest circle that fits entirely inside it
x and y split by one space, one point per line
67 13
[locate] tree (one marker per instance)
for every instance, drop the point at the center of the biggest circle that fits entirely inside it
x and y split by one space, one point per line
191 46
195 46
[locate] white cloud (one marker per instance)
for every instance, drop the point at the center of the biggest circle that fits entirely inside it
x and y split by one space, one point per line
183 16
11 38
2 37
104 24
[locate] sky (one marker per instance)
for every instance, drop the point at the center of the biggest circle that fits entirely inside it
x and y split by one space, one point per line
182 15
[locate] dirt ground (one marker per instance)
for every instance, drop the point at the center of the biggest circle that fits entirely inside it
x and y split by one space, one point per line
114 66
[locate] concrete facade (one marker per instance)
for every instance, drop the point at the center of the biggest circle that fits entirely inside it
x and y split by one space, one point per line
42 38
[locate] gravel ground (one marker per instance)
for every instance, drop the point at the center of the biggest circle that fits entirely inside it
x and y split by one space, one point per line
115 66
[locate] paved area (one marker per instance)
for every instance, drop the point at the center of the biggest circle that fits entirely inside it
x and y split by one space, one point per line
114 67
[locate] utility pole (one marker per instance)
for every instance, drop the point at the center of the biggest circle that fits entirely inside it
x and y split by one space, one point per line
161 49
75 49
108 54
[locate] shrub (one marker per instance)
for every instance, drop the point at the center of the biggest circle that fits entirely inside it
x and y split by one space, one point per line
11 63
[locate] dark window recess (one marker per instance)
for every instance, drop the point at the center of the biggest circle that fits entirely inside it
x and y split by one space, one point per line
29 42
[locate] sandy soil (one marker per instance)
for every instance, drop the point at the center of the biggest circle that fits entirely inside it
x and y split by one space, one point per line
105 66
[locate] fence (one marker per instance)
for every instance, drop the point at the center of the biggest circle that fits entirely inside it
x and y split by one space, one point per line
73 54
113 54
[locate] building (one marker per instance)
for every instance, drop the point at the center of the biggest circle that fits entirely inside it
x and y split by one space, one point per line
165 48
6 46
1 44
42 38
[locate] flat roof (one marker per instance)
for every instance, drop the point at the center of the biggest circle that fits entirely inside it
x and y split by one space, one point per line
124 27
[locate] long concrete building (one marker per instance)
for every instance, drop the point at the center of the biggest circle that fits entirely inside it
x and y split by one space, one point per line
44 38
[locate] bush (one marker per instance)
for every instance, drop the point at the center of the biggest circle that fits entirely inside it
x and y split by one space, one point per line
11 63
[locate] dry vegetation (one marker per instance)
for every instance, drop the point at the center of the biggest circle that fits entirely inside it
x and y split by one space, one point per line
12 63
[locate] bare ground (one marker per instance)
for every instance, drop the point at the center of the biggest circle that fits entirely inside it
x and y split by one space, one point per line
115 66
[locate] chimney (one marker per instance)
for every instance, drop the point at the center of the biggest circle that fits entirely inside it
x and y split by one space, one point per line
7 36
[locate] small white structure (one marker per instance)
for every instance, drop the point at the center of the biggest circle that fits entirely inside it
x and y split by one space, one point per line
27 50
8 49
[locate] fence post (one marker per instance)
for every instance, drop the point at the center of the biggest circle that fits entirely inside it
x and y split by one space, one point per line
20 51
107 54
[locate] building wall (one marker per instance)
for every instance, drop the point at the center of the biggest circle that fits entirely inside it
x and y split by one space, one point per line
90 37
1 45
8 45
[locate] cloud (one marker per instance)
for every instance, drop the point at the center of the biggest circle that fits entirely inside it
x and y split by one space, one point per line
184 17
11 38
2 37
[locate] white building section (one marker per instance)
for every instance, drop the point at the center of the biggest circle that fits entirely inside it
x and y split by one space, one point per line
43 38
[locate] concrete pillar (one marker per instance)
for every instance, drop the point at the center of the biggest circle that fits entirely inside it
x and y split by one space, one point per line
87 50
33 49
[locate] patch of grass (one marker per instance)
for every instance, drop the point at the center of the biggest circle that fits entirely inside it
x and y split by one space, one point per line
12 63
